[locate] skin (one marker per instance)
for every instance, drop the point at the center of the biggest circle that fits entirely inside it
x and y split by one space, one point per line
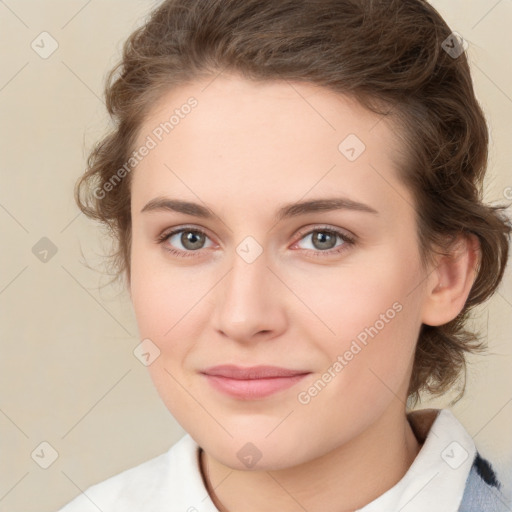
244 151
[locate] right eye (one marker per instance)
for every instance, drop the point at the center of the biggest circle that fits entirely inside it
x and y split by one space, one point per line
191 239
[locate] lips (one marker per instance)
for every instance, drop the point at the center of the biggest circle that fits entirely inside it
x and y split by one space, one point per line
254 372
255 382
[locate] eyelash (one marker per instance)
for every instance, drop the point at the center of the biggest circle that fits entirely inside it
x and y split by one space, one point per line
348 241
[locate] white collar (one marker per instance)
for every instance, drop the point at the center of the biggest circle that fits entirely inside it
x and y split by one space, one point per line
435 480
437 477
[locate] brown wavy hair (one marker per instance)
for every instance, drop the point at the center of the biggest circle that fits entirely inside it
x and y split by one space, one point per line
391 55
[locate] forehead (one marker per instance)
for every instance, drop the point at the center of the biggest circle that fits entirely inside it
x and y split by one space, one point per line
262 140
224 104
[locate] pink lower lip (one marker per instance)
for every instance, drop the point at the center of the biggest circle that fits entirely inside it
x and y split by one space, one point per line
252 389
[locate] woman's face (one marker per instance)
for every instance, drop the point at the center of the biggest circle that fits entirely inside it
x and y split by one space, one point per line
333 292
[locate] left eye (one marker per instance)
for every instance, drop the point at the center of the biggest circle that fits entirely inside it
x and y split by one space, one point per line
324 239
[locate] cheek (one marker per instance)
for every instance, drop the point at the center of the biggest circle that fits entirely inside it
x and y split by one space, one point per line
167 305
159 296
367 291
164 314
373 311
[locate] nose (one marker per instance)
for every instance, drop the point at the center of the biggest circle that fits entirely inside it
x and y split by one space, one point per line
250 302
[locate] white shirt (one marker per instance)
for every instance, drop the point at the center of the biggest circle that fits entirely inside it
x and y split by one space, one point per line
172 482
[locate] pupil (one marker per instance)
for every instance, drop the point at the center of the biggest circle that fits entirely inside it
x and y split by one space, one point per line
323 238
192 238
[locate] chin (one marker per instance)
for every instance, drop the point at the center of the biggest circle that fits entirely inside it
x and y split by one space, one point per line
254 451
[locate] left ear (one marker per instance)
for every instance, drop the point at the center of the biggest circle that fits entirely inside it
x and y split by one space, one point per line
450 282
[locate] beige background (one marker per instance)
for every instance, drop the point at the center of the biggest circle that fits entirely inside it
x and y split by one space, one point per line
68 374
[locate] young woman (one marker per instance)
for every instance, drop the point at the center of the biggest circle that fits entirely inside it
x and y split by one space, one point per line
295 191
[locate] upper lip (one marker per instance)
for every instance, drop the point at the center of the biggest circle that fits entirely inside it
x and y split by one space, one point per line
252 372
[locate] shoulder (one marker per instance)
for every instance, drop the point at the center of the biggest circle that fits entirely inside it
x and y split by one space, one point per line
482 491
170 478
466 477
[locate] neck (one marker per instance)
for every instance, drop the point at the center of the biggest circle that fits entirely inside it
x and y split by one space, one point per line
347 478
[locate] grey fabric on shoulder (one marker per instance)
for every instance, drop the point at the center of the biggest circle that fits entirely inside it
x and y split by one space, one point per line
483 490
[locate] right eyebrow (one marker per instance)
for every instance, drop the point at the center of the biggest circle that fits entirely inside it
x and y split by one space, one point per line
175 205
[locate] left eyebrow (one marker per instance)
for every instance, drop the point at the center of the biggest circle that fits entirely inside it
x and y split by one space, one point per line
284 212
321 205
